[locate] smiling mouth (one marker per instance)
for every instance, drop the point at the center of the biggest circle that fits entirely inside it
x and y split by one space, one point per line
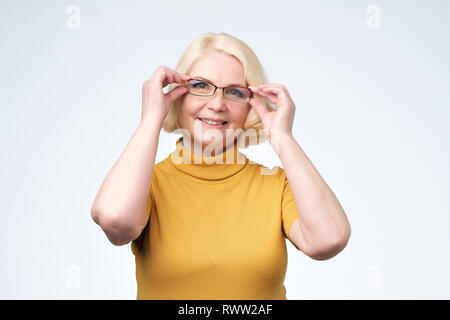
213 123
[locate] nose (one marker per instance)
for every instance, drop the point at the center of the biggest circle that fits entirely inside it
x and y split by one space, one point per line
217 102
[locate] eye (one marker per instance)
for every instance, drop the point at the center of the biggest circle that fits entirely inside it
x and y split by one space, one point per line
199 84
236 92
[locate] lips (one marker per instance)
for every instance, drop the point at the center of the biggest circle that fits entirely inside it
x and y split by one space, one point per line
222 122
206 125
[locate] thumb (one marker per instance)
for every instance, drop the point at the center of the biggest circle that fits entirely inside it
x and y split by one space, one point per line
175 93
259 107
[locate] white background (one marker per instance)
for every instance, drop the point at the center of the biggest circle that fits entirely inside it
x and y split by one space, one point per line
372 114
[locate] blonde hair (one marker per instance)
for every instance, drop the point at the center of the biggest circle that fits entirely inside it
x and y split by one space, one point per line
253 73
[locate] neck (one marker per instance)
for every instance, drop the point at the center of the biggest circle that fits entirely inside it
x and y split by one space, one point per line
214 168
211 148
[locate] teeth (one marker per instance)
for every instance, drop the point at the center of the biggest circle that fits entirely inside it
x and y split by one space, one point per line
211 122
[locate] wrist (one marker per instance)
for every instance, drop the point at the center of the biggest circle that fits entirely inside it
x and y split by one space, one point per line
279 138
151 122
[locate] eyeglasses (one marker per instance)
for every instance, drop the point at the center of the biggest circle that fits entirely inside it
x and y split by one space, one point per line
203 88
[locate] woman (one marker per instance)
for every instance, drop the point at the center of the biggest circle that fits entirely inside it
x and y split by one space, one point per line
202 226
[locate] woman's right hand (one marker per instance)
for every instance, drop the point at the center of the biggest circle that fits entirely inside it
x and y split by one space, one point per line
156 103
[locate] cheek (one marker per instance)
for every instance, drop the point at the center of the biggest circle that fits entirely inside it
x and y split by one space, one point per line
186 113
190 108
240 117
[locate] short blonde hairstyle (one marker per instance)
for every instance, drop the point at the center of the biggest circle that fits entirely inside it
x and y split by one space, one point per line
253 73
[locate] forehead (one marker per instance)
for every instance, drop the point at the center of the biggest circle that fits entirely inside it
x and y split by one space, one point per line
220 68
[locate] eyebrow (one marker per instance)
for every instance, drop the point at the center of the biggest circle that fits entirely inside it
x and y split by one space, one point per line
230 85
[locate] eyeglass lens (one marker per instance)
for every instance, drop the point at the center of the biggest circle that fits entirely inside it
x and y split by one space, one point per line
202 88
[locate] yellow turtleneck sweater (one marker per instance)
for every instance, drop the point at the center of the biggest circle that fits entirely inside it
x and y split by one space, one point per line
216 231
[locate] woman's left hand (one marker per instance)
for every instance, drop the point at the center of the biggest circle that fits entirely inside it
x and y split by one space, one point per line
277 121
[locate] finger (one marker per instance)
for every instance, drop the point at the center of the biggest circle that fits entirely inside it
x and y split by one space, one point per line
280 92
268 96
184 77
170 76
166 78
175 93
161 75
180 77
176 78
278 89
273 89
268 84
260 109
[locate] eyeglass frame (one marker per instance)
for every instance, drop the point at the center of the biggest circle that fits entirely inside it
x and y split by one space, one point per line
215 89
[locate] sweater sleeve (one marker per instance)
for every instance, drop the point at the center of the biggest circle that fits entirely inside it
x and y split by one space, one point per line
288 209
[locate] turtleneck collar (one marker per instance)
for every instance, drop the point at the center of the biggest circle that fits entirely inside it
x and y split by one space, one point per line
216 167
